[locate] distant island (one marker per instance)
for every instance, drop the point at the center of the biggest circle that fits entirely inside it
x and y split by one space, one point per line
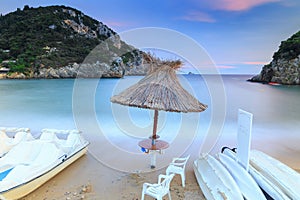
62 42
285 66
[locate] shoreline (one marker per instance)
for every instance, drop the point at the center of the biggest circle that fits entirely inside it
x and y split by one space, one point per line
87 178
24 77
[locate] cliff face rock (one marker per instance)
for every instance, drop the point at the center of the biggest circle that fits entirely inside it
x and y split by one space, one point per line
96 70
48 42
285 66
280 71
86 70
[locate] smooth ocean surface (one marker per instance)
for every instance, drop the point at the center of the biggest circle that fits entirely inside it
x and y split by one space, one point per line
84 103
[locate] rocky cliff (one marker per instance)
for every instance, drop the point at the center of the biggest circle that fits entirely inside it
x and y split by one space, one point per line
285 66
62 42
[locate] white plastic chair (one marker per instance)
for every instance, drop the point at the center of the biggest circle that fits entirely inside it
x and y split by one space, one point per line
160 189
177 166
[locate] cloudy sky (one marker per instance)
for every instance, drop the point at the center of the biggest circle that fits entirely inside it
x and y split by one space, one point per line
239 35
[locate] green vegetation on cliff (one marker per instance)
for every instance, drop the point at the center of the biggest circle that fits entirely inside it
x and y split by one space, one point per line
289 49
53 36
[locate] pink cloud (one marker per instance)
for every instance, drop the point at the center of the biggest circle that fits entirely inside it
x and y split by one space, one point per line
239 5
225 67
198 17
255 63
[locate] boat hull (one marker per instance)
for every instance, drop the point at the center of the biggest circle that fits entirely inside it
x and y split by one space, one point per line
26 188
267 185
214 180
245 182
282 176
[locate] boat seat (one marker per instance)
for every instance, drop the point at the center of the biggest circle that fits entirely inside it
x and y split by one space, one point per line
7 143
14 129
71 143
24 152
47 156
49 136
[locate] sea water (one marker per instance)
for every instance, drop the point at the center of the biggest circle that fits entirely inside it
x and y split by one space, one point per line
85 104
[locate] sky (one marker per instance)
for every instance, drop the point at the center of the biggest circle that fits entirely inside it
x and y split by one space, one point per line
240 36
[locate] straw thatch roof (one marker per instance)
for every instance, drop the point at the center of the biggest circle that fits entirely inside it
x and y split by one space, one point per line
159 90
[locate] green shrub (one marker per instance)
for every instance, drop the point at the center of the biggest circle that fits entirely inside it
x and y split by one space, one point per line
26 33
289 49
18 67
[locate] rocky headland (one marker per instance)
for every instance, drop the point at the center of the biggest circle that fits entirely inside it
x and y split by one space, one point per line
62 42
285 66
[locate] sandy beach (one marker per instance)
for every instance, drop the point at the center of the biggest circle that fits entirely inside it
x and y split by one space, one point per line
89 179
81 64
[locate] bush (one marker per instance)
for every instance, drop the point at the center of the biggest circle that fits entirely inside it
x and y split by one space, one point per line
19 66
289 49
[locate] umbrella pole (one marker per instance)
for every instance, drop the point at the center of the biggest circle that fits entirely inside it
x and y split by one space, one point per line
154 136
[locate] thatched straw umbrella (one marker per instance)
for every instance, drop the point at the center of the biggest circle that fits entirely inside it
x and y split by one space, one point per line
160 90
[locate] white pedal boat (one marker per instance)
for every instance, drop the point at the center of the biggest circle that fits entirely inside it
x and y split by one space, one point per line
30 164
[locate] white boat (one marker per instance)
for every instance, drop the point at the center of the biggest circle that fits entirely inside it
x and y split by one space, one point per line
275 178
214 180
30 164
11 136
282 176
267 185
245 182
